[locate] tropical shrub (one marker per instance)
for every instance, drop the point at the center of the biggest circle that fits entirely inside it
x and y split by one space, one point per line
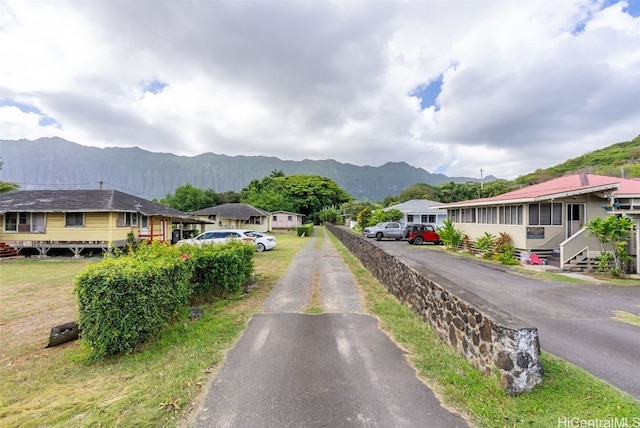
485 244
613 234
450 236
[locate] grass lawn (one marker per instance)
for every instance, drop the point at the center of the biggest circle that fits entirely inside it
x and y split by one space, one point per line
159 383
149 388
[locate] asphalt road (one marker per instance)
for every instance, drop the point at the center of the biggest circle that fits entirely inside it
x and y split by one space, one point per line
573 320
335 369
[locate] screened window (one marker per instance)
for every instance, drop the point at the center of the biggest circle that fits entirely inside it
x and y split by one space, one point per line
428 218
468 215
545 214
127 219
74 220
24 222
254 220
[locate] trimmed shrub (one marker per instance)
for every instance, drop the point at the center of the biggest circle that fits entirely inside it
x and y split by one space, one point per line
124 300
305 230
219 269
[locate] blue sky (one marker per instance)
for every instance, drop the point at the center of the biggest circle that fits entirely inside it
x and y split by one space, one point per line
428 93
508 86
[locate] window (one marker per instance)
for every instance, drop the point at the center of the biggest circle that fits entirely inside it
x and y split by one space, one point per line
212 217
289 218
275 218
144 221
510 214
11 222
74 220
24 222
37 222
127 219
545 214
488 215
409 218
254 220
468 215
428 218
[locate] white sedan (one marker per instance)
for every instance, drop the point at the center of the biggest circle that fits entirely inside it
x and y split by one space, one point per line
221 237
264 242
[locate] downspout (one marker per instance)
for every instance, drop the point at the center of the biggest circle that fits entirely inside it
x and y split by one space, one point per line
638 244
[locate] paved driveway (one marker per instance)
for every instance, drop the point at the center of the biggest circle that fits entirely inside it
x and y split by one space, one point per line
573 320
336 369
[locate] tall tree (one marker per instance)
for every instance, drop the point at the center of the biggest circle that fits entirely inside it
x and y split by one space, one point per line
304 194
189 198
268 194
418 191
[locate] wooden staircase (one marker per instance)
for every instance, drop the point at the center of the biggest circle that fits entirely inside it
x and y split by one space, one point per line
7 251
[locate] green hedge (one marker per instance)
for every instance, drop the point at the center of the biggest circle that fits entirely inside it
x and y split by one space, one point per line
124 300
305 230
219 269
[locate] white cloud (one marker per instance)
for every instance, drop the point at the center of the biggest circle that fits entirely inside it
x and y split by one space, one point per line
524 86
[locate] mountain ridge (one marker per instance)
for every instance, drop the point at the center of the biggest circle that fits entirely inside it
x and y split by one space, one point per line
64 164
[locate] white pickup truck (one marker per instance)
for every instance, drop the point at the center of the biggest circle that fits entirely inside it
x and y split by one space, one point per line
386 229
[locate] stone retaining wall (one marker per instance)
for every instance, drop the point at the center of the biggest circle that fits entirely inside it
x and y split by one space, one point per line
489 339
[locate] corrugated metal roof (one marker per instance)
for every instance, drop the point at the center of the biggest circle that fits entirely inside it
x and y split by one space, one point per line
417 205
560 187
234 211
84 201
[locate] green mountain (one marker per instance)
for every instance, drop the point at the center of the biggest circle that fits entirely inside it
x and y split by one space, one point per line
54 163
616 160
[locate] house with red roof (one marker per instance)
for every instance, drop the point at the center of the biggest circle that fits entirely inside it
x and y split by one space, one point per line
548 218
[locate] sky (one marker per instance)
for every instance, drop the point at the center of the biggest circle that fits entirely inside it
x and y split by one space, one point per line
454 87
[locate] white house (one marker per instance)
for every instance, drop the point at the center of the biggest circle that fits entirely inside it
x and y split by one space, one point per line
421 211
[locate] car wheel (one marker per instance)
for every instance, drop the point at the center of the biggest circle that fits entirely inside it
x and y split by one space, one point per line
417 240
410 242
379 236
260 248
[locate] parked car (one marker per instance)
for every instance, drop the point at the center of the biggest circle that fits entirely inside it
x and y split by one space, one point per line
386 229
264 242
220 237
419 233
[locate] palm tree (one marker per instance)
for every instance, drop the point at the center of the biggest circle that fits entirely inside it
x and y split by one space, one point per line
5 186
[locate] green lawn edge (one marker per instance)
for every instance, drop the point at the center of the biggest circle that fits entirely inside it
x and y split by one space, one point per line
567 394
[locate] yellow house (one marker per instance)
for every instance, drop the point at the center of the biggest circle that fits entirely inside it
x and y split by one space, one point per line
78 220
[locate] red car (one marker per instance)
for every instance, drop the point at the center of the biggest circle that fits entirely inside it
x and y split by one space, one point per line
419 233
